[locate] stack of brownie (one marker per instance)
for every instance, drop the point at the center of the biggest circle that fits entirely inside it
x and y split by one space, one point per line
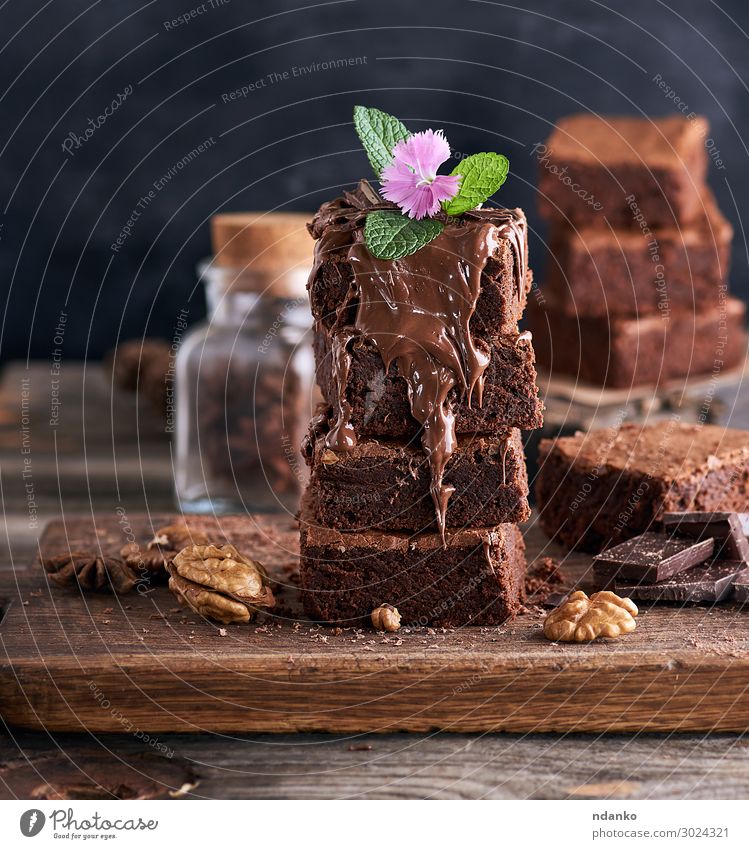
636 290
418 478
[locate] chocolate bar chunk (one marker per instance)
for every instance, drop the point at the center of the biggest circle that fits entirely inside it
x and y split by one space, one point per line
600 271
599 488
726 528
651 557
623 351
379 399
709 584
385 484
476 579
741 587
623 169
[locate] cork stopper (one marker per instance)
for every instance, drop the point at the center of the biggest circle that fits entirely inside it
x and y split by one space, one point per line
266 251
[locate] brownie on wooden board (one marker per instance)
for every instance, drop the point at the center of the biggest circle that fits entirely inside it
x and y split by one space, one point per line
600 488
603 271
617 351
380 405
501 300
384 484
596 166
477 579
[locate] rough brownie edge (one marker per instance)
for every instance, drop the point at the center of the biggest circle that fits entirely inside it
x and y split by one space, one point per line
380 405
477 580
602 488
618 352
599 271
584 159
384 485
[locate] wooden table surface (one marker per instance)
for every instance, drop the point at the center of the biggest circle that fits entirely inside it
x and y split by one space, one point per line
110 452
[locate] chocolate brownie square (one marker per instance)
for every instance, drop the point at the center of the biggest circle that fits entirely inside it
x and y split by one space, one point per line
599 488
339 229
623 169
379 401
476 579
619 351
603 271
385 484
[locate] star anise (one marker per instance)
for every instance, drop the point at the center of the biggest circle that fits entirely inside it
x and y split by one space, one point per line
90 571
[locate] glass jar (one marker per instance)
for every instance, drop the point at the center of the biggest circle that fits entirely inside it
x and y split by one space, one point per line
244 390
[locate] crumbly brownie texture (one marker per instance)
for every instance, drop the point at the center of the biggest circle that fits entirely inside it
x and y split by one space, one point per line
380 405
606 486
384 485
627 165
498 308
596 271
477 579
616 352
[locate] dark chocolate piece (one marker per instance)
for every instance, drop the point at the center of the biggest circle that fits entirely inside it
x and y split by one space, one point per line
725 528
699 584
741 587
651 557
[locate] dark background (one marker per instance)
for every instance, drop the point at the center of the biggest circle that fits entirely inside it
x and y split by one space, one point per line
494 76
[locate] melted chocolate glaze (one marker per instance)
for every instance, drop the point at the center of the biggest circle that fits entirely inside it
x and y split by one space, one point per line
416 310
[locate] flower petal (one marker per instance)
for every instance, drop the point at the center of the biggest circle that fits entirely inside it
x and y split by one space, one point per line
423 152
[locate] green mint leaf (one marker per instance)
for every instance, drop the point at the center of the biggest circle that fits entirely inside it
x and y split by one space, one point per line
482 174
379 133
390 235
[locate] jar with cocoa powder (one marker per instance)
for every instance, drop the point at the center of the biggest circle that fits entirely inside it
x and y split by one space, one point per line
245 376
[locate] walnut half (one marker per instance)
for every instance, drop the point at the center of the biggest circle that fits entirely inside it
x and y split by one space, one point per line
219 582
581 619
386 618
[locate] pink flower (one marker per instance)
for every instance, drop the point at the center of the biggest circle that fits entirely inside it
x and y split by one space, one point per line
411 179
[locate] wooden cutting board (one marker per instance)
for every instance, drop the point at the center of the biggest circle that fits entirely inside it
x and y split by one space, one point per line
138 663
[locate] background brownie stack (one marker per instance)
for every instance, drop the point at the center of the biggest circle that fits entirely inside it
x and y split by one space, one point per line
640 255
369 528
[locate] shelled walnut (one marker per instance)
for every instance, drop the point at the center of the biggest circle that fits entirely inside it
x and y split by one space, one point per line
386 618
219 582
581 619
90 571
167 542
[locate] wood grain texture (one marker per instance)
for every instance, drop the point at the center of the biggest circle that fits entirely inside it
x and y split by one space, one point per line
98 663
384 766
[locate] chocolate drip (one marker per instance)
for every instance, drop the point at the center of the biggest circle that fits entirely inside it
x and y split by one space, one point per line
417 311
